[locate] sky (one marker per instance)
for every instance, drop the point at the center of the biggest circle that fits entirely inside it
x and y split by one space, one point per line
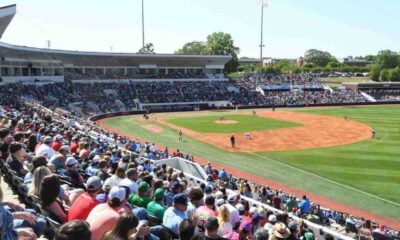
342 27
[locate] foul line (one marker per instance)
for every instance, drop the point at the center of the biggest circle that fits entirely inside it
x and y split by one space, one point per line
323 178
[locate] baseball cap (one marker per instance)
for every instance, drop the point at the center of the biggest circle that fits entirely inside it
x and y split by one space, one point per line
292 226
58 137
246 225
159 194
109 183
180 199
309 236
117 192
255 218
140 168
253 210
96 159
143 186
65 148
232 197
93 183
220 201
48 139
176 185
208 189
70 161
272 218
239 207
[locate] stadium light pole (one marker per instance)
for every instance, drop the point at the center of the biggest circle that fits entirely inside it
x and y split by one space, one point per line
143 24
263 3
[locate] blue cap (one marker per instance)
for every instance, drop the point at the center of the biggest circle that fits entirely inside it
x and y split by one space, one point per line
180 198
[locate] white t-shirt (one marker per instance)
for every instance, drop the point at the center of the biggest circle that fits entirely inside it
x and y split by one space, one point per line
224 229
45 150
129 183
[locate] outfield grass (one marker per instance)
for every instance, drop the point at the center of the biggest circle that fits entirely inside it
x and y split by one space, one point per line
245 123
371 166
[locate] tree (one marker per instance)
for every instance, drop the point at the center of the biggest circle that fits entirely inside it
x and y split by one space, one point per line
147 49
193 48
388 59
286 66
394 75
318 58
375 72
220 43
384 76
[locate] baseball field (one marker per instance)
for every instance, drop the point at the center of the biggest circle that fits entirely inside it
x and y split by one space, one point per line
328 153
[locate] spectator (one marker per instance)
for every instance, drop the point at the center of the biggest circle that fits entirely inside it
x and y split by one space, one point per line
186 230
270 224
45 149
276 201
141 199
49 196
94 166
225 226
37 161
56 145
102 173
156 207
196 196
126 228
16 159
72 230
202 213
104 216
292 226
175 214
234 213
130 181
261 234
291 204
82 206
305 206
72 172
280 231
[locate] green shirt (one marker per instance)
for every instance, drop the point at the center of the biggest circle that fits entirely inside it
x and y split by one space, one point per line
156 209
292 203
138 201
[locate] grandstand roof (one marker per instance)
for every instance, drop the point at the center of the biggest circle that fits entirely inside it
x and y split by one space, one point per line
82 58
6 15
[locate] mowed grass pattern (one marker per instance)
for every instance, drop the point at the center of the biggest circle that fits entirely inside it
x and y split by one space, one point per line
371 166
245 123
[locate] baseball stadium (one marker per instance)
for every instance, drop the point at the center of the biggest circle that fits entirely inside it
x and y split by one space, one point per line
169 144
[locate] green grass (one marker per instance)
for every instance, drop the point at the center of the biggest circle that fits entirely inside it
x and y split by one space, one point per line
372 166
245 123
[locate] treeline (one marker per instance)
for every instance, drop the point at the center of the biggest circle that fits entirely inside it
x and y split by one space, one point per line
386 66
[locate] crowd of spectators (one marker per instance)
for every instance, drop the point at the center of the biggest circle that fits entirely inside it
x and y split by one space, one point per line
252 81
384 95
81 185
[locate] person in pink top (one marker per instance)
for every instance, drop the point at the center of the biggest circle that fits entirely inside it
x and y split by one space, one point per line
104 216
202 213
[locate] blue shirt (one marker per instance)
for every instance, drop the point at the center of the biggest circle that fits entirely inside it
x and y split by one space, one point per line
6 223
305 206
92 170
222 174
173 218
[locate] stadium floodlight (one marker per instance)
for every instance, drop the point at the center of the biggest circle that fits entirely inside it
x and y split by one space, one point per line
263 4
143 24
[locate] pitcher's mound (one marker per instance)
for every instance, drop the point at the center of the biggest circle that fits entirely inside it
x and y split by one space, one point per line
226 122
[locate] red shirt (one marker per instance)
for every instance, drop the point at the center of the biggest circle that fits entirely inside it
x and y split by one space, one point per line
82 206
276 202
74 147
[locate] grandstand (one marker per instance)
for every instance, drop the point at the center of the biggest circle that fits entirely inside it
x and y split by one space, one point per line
48 96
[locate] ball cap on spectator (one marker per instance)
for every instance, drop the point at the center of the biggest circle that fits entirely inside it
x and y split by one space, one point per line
246 225
117 192
48 139
208 189
272 218
110 183
253 210
96 159
93 183
58 137
140 168
180 199
281 231
143 186
239 207
176 185
232 197
309 236
292 226
220 201
70 161
65 148
159 194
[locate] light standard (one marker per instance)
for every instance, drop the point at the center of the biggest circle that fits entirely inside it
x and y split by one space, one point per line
263 3
143 24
